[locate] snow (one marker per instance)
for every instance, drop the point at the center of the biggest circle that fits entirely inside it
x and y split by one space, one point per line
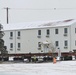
38 24
60 68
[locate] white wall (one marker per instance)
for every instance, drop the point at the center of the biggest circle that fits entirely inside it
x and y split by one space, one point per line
29 40
8 41
73 37
61 38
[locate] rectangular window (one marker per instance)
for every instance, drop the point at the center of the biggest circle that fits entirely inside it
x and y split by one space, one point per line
39 32
11 34
39 44
65 43
48 32
56 43
75 42
65 30
18 33
19 45
75 30
11 45
56 31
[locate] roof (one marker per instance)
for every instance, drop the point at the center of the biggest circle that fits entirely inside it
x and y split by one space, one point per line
39 24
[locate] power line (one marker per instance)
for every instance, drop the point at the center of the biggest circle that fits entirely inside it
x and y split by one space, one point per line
7 10
43 8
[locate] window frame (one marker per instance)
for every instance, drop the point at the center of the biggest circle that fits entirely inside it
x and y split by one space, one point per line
39 32
19 45
66 43
39 44
48 32
11 45
65 30
56 43
75 42
75 30
11 34
56 31
19 33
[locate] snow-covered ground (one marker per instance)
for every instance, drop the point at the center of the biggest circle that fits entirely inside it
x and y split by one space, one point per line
60 68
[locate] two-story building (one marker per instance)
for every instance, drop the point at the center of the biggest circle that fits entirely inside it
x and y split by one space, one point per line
40 37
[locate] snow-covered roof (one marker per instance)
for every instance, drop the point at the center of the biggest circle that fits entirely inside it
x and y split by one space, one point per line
40 24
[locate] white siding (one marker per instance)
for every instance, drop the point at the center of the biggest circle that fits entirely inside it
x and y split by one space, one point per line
9 40
29 39
73 37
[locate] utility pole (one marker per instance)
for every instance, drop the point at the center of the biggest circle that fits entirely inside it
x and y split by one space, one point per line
7 17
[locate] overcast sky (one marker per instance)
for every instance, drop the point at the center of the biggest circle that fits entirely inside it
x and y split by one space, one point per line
37 10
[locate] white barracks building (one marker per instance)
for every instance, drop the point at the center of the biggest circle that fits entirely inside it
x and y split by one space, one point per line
40 37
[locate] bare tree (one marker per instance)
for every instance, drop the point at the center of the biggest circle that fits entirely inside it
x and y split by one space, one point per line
52 48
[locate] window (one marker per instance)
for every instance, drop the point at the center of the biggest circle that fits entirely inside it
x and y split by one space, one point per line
56 43
75 42
65 30
11 34
75 30
56 31
19 45
65 43
48 32
11 45
39 32
18 33
39 44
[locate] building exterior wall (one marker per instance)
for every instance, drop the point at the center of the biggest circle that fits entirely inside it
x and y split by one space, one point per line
61 38
29 40
73 37
9 40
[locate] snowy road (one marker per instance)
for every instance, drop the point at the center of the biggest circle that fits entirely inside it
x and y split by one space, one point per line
60 68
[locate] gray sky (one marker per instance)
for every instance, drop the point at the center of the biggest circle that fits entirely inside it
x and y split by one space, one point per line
37 10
